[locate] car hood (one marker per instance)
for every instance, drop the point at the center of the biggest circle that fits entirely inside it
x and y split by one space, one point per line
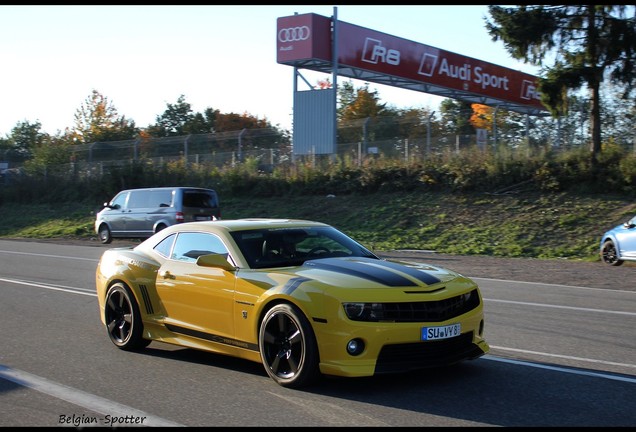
614 230
368 273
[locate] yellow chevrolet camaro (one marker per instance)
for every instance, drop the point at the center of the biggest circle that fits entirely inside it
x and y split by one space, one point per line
299 296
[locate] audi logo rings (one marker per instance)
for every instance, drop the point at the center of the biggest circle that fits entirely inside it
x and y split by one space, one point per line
294 34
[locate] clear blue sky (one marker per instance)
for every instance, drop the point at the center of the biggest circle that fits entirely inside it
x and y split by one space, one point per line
223 57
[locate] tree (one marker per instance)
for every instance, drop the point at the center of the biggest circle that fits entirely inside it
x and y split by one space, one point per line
413 123
346 96
204 122
482 117
366 103
356 108
455 118
324 84
213 131
51 156
619 116
98 120
259 133
589 43
25 137
174 119
508 125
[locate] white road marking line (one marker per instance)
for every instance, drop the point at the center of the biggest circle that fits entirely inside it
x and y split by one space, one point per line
80 398
50 256
561 369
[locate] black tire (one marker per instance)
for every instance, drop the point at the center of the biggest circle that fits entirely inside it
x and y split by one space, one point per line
123 320
288 347
609 254
160 227
104 234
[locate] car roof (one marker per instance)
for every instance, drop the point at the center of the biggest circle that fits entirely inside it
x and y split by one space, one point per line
252 223
229 225
256 223
225 228
165 188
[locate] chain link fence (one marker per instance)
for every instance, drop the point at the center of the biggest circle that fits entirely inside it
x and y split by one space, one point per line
267 148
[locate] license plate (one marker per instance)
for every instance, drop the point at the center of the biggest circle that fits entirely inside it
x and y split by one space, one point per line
441 332
202 218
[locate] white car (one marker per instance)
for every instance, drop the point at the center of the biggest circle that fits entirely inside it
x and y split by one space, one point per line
619 244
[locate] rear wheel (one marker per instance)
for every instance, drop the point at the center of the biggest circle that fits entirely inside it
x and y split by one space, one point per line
123 320
104 234
288 347
609 254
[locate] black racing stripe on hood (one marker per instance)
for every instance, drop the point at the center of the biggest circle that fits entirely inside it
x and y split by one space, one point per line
418 274
292 284
364 271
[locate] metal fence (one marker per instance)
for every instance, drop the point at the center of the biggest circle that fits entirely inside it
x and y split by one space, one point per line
97 157
267 148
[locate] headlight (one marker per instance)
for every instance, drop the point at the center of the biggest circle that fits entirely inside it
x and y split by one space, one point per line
364 311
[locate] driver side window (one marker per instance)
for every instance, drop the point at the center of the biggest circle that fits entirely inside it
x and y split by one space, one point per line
191 245
119 201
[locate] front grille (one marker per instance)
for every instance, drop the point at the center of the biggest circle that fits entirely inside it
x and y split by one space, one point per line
425 311
431 311
422 355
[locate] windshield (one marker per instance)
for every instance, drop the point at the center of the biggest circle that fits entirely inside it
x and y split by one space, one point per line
282 247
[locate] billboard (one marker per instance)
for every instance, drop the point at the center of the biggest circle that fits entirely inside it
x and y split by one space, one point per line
306 41
303 38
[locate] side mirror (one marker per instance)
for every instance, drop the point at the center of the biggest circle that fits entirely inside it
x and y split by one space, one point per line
215 260
629 225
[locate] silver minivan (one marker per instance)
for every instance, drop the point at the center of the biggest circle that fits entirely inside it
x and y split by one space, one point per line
139 213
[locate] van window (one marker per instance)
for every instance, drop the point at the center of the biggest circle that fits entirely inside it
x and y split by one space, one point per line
199 199
138 199
119 201
160 198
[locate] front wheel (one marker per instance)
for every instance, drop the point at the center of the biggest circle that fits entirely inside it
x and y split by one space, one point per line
288 347
609 254
104 234
123 320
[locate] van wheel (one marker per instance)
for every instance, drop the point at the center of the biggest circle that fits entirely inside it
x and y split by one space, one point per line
159 228
104 234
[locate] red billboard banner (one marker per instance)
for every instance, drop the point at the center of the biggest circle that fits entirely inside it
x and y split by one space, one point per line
308 37
303 37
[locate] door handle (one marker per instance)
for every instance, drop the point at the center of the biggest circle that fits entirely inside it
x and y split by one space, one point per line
166 275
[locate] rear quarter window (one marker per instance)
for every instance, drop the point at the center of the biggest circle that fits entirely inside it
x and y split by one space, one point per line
199 199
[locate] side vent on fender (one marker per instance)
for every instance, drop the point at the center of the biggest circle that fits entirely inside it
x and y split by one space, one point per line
147 302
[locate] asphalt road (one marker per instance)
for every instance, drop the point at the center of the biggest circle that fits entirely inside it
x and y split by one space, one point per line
561 355
554 271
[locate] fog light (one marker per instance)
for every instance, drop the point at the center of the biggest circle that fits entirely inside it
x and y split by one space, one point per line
355 347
